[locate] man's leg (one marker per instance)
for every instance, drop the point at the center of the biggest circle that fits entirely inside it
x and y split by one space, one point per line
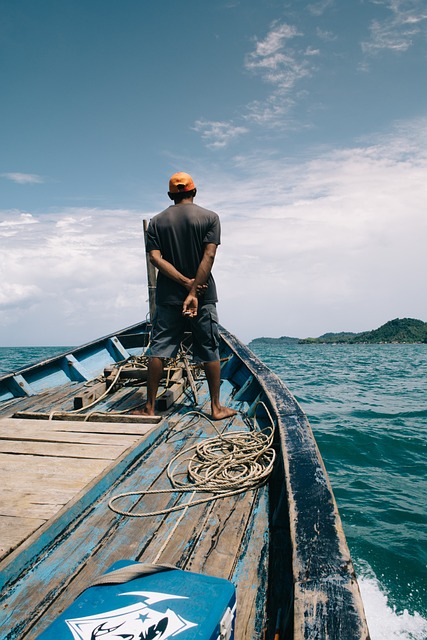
213 376
205 349
165 338
155 372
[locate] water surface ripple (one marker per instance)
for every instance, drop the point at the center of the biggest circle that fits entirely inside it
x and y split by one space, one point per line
367 405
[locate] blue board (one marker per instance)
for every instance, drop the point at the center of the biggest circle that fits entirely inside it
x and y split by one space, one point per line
173 603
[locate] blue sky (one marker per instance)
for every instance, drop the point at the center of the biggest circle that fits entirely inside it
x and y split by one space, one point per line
304 125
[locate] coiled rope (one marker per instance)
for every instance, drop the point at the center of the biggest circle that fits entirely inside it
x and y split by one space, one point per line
224 466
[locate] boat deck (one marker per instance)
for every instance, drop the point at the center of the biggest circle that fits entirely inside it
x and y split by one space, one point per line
282 544
58 533
44 464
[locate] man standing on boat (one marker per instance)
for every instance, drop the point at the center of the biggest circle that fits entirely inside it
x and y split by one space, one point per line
181 242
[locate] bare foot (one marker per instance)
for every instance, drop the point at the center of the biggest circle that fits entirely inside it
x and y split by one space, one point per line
144 411
223 412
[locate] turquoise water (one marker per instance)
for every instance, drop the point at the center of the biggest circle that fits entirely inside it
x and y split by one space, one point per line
16 358
367 405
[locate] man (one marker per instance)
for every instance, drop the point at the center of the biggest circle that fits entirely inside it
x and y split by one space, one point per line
181 242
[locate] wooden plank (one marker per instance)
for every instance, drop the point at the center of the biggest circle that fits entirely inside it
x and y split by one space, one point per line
177 535
93 417
26 481
129 372
127 399
9 525
89 396
24 427
32 490
65 450
27 556
171 395
250 575
94 546
215 553
44 469
46 400
66 437
133 428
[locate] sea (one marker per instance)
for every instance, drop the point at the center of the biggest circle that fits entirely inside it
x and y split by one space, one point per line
367 405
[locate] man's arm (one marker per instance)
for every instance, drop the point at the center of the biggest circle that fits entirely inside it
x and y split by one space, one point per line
169 270
191 302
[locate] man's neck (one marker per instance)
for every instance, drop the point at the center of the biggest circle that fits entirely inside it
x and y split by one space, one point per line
185 201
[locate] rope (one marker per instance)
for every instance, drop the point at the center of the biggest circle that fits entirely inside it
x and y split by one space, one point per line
97 401
225 465
139 361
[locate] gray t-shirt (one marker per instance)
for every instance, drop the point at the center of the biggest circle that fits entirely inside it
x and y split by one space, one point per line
180 233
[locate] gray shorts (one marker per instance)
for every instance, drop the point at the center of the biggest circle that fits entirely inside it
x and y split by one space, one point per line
170 325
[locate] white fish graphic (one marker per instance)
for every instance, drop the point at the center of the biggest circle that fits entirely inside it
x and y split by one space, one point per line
134 622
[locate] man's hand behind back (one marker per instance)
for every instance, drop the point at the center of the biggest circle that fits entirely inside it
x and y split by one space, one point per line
190 306
201 288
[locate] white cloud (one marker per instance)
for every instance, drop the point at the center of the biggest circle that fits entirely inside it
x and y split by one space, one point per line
275 60
274 112
218 135
23 178
12 220
267 49
278 64
282 65
336 243
333 243
399 31
326 36
76 274
312 52
318 8
15 296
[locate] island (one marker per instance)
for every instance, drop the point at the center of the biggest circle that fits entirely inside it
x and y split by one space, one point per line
399 330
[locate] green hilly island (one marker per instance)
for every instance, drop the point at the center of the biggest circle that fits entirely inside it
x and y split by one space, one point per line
400 330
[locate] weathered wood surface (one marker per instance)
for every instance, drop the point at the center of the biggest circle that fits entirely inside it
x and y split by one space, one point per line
61 399
98 416
90 395
208 538
45 464
53 399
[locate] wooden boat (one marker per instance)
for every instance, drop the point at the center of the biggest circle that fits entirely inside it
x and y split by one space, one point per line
70 444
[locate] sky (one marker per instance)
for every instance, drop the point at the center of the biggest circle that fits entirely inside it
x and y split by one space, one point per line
303 124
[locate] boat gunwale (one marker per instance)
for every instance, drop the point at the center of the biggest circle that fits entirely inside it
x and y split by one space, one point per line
40 364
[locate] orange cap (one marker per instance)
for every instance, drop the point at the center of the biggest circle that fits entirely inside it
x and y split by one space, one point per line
181 182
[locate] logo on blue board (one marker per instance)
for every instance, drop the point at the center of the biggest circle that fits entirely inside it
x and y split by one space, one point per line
134 622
